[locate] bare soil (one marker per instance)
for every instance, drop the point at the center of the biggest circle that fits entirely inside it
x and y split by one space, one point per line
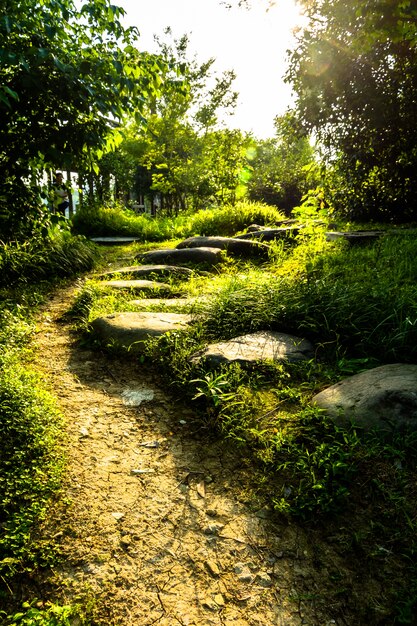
156 522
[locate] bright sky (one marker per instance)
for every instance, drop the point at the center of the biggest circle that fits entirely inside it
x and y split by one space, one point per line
251 42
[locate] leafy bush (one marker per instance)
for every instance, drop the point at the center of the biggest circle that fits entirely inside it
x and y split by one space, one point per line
118 221
229 220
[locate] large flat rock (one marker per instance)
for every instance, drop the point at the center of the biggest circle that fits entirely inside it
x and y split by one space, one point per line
145 271
131 330
382 399
165 303
137 286
232 245
259 346
356 237
114 241
190 256
271 234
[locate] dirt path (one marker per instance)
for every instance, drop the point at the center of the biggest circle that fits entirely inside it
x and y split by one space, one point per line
157 528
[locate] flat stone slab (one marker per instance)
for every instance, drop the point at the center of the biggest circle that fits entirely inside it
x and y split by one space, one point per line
356 236
260 346
232 245
270 234
137 285
131 330
383 399
196 256
114 241
152 270
166 303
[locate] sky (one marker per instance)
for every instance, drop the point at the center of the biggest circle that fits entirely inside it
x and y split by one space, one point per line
252 42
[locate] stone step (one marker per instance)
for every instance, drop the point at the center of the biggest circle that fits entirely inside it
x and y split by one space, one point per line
271 234
165 303
114 241
152 270
232 245
209 257
383 399
260 346
137 285
131 330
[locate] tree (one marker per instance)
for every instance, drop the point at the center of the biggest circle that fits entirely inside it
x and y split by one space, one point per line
67 74
354 71
182 148
281 172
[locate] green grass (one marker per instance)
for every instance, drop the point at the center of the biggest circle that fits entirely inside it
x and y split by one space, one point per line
57 255
31 461
31 426
117 221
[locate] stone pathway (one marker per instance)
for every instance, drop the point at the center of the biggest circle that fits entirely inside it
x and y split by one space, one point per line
154 523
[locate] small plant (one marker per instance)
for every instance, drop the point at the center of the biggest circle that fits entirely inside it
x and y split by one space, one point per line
213 388
37 613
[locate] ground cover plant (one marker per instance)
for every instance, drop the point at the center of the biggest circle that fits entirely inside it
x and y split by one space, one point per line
31 462
359 308
31 426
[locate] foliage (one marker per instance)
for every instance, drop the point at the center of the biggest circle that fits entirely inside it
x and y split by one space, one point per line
282 168
37 613
230 219
354 73
59 255
183 155
65 71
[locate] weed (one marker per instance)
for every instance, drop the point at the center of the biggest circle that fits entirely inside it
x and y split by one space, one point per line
37 613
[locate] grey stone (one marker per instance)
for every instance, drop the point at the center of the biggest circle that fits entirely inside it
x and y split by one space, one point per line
260 346
243 573
131 330
355 237
163 303
114 241
137 285
232 245
382 399
271 234
152 270
204 256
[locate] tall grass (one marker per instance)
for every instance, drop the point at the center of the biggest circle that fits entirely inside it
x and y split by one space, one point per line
226 221
359 302
60 255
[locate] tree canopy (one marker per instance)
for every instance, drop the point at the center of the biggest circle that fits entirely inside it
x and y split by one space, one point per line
68 72
183 153
354 71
